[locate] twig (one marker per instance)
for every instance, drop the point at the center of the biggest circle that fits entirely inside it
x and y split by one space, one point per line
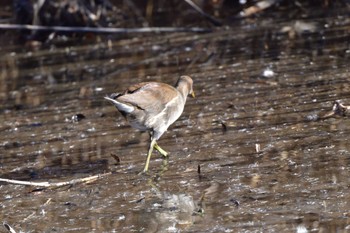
57 184
102 29
137 12
207 16
28 217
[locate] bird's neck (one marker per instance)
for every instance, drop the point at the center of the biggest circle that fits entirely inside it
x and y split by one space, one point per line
183 89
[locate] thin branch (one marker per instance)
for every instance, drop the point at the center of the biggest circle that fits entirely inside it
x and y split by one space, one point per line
205 15
259 6
102 29
137 12
57 184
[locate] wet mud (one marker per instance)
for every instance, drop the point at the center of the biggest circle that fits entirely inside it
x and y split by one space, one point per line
251 153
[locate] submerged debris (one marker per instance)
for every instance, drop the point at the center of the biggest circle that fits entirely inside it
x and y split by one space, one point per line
235 202
268 73
76 118
299 28
257 147
116 157
223 127
338 109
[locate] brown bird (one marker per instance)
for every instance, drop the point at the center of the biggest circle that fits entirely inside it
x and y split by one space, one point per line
153 107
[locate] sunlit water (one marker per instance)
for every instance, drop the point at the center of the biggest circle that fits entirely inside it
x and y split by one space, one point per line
264 165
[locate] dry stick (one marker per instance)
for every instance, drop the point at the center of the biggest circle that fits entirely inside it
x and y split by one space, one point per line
29 216
102 29
9 228
57 184
259 6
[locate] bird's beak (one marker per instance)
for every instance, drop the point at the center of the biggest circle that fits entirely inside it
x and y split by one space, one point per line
193 95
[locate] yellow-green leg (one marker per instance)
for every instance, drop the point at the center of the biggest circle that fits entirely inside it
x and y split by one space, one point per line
153 142
150 150
163 152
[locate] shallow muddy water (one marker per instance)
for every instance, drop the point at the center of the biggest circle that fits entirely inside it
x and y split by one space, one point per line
267 161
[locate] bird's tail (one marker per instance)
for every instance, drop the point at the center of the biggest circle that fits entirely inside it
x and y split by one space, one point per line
120 106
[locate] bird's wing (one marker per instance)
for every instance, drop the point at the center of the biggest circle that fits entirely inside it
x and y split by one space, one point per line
151 96
135 88
130 90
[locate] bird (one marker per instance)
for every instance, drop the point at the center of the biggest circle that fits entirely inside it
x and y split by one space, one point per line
153 107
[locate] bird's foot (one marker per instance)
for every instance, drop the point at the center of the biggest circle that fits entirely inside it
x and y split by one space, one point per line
143 172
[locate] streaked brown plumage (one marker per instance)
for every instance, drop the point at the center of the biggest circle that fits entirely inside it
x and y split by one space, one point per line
153 107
